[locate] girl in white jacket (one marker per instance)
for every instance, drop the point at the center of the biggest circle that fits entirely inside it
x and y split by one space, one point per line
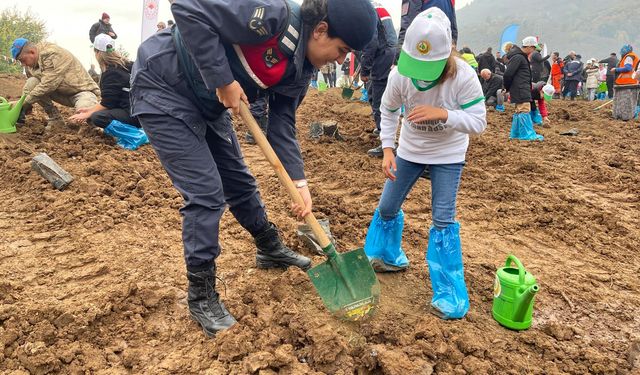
444 104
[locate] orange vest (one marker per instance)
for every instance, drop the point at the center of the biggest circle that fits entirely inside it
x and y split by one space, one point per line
626 78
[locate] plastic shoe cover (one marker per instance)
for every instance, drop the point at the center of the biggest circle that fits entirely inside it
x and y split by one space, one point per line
383 241
536 117
522 128
500 108
444 258
127 136
365 95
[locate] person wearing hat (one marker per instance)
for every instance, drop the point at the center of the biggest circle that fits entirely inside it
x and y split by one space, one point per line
517 81
538 72
591 84
628 64
55 75
103 26
444 104
221 53
114 87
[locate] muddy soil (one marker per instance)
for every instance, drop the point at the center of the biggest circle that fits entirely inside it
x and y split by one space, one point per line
92 278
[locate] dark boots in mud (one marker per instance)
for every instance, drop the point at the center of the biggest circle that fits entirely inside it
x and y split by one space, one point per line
204 302
272 252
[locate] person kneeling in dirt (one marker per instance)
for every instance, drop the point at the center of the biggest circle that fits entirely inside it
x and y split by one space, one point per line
54 75
492 90
221 53
114 86
444 104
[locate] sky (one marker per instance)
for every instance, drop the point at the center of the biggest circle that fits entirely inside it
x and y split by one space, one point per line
68 21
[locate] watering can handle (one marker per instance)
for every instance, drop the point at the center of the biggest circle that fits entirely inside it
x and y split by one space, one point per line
521 271
3 100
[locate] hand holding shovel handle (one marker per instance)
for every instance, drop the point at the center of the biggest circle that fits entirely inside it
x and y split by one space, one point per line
286 181
345 282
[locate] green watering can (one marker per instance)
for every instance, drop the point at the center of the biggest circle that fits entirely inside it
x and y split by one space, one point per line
513 294
9 114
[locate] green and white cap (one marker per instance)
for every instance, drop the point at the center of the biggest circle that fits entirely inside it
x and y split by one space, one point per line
427 46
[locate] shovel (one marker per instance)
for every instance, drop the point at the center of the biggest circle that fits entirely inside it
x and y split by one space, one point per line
346 282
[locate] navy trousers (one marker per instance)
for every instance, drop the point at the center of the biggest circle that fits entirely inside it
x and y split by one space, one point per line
210 173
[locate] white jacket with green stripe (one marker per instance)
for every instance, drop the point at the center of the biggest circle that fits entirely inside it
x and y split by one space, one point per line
434 142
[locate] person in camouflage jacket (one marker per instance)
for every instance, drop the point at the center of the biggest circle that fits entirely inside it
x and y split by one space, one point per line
54 75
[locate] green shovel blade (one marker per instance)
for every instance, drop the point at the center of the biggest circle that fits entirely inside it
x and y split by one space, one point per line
346 283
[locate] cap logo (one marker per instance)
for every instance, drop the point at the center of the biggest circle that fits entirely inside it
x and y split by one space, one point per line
423 47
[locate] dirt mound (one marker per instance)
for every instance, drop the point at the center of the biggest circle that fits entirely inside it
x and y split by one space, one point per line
92 278
11 85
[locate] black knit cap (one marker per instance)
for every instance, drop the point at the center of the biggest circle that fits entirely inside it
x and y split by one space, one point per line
353 21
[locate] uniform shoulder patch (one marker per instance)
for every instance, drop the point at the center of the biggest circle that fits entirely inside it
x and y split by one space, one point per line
256 23
270 57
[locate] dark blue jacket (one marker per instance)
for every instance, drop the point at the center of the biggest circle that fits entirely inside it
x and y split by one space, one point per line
411 8
378 56
575 68
178 74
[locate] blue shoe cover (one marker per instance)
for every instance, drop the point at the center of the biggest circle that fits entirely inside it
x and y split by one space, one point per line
127 136
365 95
444 258
522 128
536 117
635 115
383 242
500 108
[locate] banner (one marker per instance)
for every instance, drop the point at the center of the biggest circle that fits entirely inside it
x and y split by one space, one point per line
510 34
149 18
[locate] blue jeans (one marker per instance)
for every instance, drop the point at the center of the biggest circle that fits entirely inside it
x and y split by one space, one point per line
445 179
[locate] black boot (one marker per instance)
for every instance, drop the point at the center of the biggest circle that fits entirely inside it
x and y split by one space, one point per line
205 306
272 253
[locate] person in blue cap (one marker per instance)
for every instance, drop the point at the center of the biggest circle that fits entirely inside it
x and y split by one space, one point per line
184 80
55 75
444 104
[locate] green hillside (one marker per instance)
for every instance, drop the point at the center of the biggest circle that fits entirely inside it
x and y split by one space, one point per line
592 28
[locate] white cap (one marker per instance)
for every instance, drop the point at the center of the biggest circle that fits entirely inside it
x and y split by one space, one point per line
427 46
103 42
530 41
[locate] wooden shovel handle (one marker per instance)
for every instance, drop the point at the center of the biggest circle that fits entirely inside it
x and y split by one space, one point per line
273 159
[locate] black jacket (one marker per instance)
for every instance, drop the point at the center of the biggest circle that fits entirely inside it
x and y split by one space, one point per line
486 61
490 87
612 62
114 87
517 77
537 65
101 28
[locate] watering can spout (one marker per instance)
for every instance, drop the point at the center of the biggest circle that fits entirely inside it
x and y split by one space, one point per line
14 111
523 302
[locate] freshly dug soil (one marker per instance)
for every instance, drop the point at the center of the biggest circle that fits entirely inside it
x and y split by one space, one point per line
92 279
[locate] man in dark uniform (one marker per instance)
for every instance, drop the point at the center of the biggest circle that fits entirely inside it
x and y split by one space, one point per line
377 59
219 53
411 8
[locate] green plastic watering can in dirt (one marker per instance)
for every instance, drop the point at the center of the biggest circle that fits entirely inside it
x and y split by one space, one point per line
9 114
513 294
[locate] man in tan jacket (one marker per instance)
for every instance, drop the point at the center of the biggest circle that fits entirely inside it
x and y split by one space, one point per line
54 74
